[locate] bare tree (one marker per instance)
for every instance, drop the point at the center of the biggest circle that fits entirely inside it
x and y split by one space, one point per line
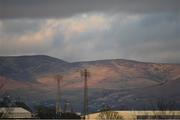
107 114
161 109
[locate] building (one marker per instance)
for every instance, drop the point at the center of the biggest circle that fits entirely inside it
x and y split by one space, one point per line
15 112
135 115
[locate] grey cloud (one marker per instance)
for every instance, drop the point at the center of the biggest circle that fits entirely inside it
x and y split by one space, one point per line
11 30
66 8
140 40
149 41
20 26
153 38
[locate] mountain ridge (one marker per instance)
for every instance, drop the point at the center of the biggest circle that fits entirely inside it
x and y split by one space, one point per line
122 79
31 66
85 61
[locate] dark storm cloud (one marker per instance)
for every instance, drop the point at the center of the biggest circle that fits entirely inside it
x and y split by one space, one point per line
66 8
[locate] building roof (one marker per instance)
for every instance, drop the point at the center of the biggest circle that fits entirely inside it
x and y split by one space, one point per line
130 115
13 110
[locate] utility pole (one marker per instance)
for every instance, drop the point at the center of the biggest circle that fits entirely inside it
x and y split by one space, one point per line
85 74
58 99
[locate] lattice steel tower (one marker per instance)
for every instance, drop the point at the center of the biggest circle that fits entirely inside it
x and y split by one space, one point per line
58 99
85 74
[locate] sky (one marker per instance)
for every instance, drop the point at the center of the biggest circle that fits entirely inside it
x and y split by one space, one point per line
84 30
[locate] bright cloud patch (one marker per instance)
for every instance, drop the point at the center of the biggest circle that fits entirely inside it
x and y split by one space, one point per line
80 24
48 29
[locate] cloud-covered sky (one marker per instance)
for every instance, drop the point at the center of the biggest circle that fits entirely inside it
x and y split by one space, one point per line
77 30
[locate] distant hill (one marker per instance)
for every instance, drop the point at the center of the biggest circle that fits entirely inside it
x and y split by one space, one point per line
117 82
25 68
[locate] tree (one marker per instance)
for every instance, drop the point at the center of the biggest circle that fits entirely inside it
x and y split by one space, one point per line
1 115
44 112
107 114
161 109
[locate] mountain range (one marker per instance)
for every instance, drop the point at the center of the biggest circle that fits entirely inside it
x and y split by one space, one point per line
119 83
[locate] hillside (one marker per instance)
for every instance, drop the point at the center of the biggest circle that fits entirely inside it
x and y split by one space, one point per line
118 82
23 68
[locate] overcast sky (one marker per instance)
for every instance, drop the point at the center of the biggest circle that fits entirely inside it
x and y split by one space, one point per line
78 30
